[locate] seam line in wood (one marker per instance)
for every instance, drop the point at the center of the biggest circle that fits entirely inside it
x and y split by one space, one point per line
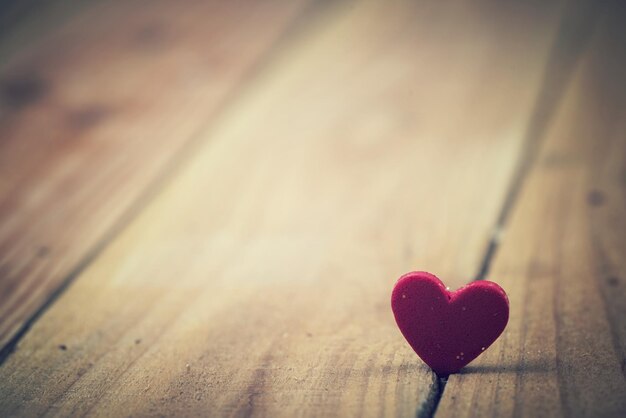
575 30
434 397
572 37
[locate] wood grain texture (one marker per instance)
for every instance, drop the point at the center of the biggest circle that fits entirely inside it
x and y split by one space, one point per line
257 282
562 261
93 116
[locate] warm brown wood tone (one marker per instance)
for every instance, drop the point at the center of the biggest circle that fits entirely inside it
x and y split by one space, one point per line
562 262
257 280
23 23
95 114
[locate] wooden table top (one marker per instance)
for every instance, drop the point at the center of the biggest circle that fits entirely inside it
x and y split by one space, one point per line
204 207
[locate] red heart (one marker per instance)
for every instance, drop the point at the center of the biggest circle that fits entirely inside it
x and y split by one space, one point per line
448 329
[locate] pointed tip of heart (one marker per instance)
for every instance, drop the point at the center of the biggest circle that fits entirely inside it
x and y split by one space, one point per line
448 329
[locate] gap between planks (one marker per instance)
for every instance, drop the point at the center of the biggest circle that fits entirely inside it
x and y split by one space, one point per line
572 38
563 351
575 30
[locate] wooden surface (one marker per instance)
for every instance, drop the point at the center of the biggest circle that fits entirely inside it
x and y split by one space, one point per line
203 211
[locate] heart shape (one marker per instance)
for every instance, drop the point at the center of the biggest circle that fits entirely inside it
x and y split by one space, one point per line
447 329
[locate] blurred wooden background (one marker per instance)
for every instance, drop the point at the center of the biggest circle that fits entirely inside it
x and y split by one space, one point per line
204 205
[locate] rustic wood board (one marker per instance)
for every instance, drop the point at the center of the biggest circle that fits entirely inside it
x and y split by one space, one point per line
257 280
95 115
562 262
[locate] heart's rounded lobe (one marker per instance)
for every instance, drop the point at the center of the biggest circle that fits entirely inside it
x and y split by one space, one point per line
448 329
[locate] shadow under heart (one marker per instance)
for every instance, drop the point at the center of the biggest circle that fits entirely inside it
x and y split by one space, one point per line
528 366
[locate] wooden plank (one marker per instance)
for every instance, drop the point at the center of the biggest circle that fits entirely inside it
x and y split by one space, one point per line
257 282
562 262
91 117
